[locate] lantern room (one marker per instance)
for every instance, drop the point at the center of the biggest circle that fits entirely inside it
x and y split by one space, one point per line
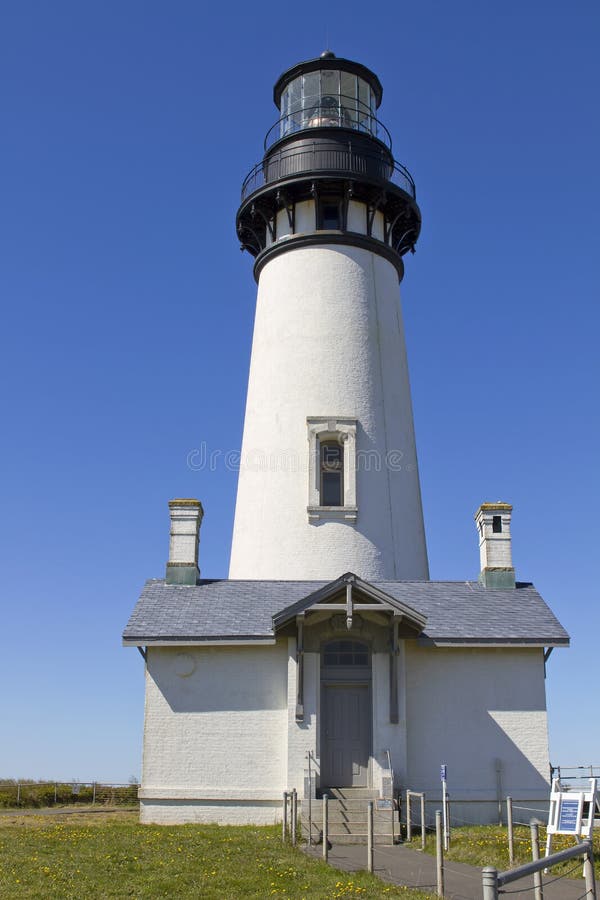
328 92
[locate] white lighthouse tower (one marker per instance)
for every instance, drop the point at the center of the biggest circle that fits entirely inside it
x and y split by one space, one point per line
328 479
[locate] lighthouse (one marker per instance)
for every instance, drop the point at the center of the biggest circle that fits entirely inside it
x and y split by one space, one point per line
328 477
328 662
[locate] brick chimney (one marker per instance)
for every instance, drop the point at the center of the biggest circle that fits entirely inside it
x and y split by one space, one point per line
186 518
495 552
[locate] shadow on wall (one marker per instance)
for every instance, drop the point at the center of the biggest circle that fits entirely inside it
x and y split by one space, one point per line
221 679
499 757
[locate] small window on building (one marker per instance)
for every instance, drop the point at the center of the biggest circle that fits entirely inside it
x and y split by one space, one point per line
331 469
332 473
497 524
330 218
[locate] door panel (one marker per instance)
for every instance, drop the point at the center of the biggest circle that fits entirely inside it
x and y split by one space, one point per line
346 735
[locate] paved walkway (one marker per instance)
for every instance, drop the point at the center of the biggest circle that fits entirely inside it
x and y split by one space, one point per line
401 865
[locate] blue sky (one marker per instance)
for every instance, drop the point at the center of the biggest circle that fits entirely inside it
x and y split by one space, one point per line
127 129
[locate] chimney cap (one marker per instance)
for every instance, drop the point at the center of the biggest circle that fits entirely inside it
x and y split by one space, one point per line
185 501
488 507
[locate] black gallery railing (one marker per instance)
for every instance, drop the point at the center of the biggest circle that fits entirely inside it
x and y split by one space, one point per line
321 158
357 119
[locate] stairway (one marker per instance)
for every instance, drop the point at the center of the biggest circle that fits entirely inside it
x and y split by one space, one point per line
347 816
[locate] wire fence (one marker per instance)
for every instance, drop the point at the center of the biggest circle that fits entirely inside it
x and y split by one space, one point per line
36 794
515 841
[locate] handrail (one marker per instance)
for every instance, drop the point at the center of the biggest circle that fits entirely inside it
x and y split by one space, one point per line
587 769
292 123
309 756
492 879
286 163
390 767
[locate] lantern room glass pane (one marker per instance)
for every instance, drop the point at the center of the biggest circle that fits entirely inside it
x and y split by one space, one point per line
364 104
330 82
349 99
310 95
327 98
291 105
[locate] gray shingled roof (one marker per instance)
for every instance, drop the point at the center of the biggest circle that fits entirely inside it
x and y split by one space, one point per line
456 611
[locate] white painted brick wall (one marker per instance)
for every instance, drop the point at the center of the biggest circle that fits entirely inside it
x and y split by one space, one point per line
469 707
218 733
221 741
302 736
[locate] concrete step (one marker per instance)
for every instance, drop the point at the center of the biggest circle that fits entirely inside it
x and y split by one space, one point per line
352 827
348 807
384 839
347 821
351 793
353 815
351 807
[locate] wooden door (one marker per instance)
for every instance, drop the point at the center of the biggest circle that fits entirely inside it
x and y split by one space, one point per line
346 735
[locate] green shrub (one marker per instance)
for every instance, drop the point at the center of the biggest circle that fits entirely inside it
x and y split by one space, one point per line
35 794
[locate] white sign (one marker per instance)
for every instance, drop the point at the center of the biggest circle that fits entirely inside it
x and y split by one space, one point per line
571 812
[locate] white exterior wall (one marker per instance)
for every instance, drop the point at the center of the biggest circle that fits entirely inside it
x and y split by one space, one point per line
221 741
215 734
388 735
468 708
302 736
328 341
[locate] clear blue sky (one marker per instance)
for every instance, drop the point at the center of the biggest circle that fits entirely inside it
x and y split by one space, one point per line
127 129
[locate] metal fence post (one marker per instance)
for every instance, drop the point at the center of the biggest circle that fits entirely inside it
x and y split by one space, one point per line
589 874
55 792
294 815
439 852
284 822
309 800
535 855
93 793
18 793
490 883
325 829
408 821
423 835
370 836
447 823
511 836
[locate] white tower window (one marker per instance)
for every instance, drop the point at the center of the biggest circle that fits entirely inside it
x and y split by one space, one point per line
329 214
332 473
332 469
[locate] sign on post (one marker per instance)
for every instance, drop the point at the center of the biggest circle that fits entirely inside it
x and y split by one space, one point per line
571 812
444 777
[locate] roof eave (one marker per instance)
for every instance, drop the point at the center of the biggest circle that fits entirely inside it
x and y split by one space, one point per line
212 641
426 641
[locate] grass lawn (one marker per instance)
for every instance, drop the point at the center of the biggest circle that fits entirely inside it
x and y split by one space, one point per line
487 845
110 855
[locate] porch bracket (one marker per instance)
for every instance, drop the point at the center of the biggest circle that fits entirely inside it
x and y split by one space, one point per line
300 669
349 608
394 652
